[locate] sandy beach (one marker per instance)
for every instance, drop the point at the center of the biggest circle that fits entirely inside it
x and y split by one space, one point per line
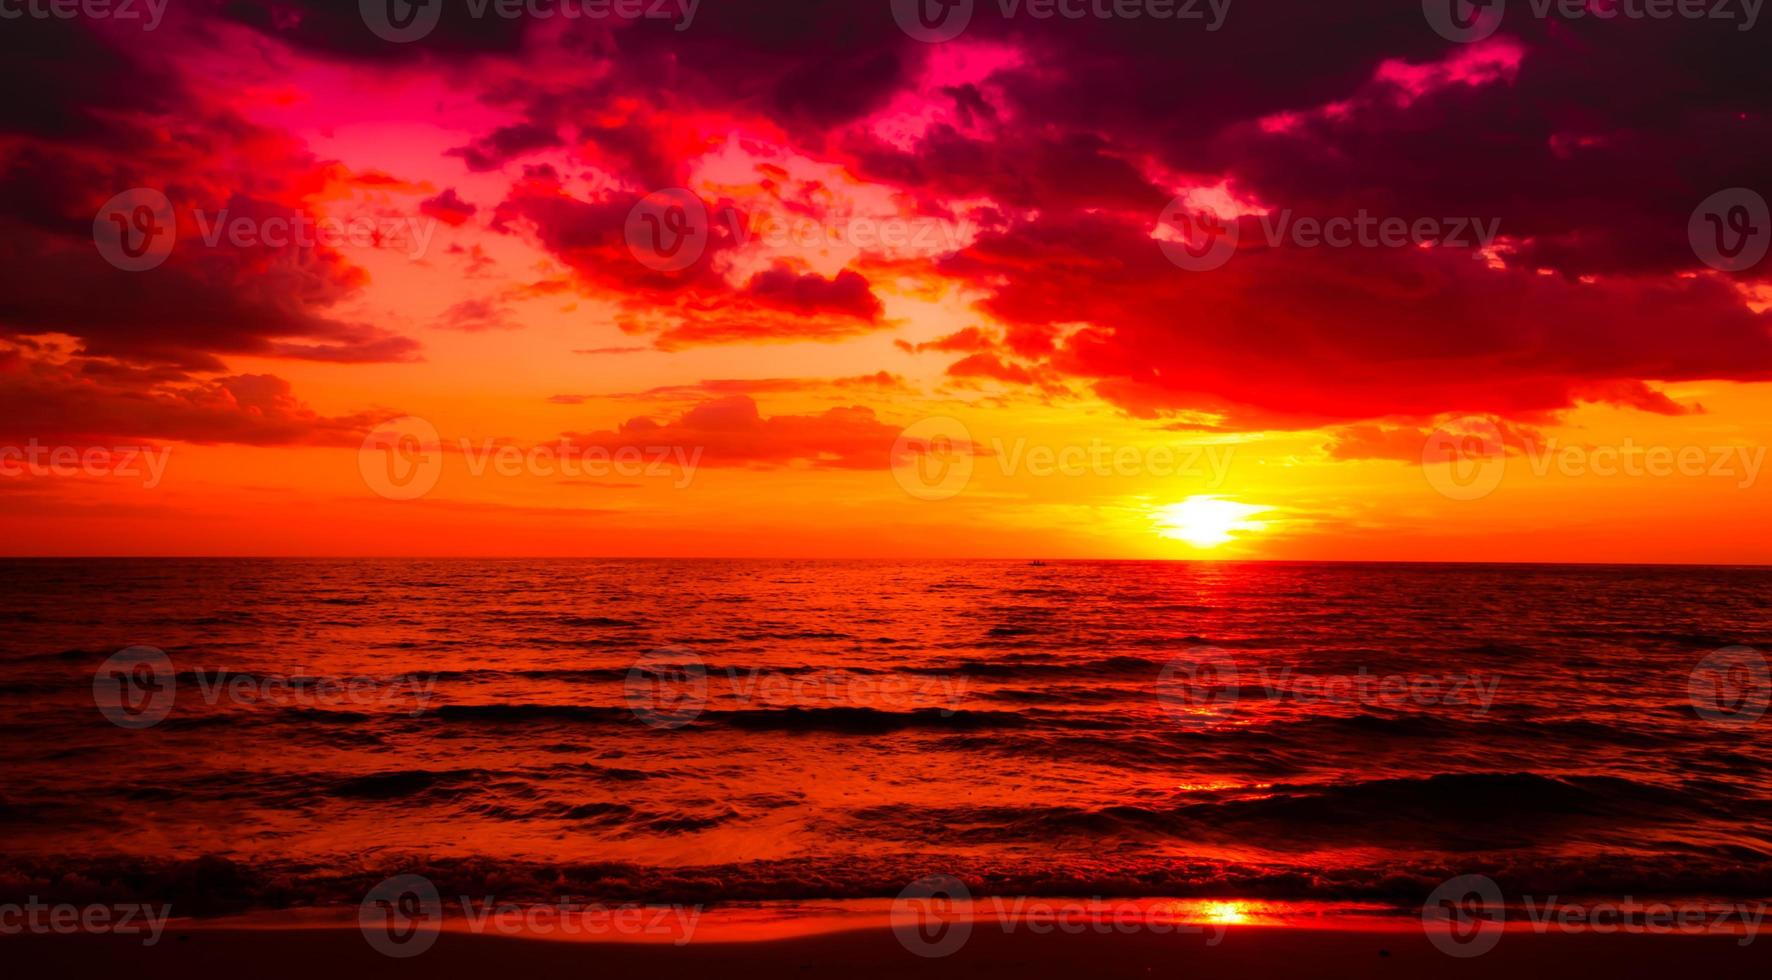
1245 951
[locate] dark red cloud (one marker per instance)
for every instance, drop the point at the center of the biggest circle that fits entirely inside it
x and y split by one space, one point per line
146 127
447 207
86 401
1589 142
846 294
991 367
690 306
1292 335
1592 149
338 29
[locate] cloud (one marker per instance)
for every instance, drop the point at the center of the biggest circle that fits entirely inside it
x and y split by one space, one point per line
809 294
84 401
338 30
1303 336
693 306
448 208
731 432
1589 141
216 294
971 340
476 315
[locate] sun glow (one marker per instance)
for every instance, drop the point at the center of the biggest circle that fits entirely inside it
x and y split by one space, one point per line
1227 913
1207 521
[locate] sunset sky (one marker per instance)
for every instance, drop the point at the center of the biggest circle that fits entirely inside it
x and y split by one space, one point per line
906 256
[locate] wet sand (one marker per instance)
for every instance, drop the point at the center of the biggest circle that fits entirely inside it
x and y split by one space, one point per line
1245 951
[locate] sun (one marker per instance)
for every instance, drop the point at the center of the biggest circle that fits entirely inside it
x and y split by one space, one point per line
1207 521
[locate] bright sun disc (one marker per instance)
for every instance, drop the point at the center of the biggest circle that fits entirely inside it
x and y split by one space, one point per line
1206 522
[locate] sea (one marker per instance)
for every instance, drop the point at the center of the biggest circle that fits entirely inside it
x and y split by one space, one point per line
248 735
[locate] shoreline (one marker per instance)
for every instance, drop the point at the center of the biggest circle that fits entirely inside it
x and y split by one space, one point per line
871 951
